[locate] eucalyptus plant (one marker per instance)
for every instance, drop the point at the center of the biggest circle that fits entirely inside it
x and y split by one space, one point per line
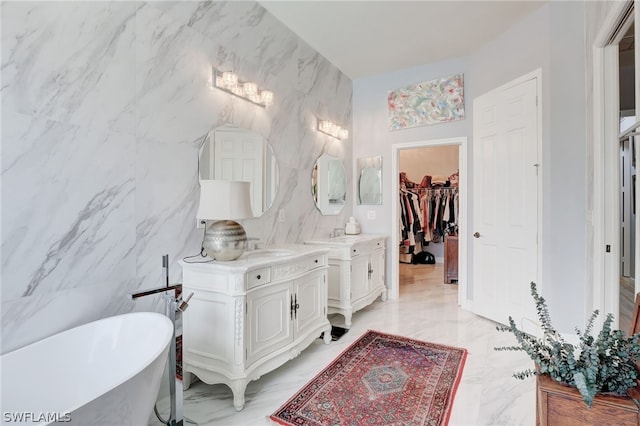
602 364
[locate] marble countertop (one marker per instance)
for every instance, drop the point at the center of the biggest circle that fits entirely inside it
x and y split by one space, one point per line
272 255
344 240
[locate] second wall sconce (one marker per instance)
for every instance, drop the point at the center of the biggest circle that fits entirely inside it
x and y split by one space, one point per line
331 129
228 81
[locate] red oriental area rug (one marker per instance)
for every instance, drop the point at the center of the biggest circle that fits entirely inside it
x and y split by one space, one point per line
381 379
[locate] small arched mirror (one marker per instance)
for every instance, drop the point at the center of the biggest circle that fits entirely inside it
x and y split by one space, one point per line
329 184
370 180
232 153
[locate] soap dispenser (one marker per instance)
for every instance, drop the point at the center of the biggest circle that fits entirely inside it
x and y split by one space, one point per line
352 227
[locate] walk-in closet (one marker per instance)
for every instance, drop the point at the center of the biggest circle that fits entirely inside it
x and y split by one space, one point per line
429 207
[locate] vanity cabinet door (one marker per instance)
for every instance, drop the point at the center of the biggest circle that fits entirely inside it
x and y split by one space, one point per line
269 323
377 268
310 302
359 279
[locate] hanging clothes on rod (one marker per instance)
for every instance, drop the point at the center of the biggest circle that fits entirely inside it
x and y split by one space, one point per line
440 208
428 212
412 229
411 222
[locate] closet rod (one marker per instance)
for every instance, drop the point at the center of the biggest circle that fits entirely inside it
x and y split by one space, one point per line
437 189
423 190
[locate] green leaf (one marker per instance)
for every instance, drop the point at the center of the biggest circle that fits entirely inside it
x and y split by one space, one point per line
602 363
587 390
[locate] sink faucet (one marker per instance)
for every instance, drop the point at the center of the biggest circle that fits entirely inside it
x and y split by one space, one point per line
336 232
253 246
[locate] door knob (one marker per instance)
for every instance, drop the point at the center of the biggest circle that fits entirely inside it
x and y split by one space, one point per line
476 234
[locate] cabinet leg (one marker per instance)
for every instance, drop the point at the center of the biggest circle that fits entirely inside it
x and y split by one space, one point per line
383 295
326 337
238 388
347 319
186 380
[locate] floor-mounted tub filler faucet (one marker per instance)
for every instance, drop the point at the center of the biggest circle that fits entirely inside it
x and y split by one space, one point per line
175 304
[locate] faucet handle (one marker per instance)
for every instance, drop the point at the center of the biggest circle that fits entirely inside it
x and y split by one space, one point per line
253 246
185 303
336 232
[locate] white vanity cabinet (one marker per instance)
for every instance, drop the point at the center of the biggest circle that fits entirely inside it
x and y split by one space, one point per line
356 272
249 316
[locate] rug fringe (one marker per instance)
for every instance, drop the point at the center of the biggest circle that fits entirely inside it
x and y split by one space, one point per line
454 389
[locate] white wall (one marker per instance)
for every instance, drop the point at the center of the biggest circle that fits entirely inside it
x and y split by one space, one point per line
434 160
372 136
104 105
551 39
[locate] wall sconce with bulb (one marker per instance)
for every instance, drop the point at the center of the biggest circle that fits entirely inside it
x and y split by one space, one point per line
331 129
228 81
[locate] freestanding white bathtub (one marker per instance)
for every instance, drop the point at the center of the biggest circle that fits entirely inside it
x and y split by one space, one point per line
107 372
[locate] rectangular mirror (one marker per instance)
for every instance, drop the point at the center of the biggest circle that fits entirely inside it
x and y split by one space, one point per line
370 180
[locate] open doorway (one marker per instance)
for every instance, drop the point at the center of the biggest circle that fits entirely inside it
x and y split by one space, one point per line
609 261
415 161
429 212
627 141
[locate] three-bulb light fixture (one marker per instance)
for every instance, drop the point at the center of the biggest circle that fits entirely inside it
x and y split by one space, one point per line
248 90
331 129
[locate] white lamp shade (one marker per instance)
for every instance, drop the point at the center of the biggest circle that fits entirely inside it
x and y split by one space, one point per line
224 200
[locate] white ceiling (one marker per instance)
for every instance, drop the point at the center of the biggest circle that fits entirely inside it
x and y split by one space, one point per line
364 38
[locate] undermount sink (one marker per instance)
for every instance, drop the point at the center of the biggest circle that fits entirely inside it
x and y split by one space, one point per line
269 252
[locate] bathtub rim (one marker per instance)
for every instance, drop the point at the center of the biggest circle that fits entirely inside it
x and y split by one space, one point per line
168 335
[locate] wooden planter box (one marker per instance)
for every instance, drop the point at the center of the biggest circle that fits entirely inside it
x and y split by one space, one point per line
559 404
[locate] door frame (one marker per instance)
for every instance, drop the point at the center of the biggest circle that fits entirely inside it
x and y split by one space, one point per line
605 278
394 290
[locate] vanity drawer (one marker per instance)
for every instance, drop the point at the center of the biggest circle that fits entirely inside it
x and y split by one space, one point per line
258 277
317 261
357 250
365 248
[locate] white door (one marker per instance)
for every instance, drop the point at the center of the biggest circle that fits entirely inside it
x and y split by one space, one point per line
505 202
239 157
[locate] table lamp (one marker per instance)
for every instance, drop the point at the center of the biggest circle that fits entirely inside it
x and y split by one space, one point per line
221 204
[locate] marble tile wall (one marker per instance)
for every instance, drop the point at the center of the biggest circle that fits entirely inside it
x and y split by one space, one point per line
104 106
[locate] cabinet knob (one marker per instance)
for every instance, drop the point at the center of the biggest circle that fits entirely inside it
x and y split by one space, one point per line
258 276
316 260
476 234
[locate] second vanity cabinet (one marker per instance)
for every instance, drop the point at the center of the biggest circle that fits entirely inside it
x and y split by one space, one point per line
249 316
356 272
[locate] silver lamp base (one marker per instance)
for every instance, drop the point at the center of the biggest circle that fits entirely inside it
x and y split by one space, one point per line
225 240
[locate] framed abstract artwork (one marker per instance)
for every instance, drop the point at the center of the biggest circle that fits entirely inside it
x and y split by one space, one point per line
431 102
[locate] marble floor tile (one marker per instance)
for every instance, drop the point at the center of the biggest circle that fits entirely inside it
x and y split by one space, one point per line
427 310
